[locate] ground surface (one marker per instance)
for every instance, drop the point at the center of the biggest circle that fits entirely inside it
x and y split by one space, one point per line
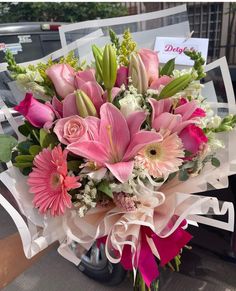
201 271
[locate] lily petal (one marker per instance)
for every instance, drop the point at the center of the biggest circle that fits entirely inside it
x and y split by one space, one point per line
69 106
159 107
93 127
186 110
157 82
91 150
167 121
94 91
114 132
121 170
135 120
140 140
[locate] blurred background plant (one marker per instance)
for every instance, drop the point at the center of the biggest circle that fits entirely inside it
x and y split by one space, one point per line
58 12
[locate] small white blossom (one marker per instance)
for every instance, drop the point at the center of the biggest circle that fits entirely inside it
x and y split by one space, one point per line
129 104
214 122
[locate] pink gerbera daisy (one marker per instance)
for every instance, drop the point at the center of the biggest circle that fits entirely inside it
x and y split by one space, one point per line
162 158
49 181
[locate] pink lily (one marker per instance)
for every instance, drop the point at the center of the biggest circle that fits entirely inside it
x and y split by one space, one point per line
114 143
175 121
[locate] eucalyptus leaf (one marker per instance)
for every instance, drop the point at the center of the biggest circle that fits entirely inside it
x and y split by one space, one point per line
183 175
105 188
7 143
215 162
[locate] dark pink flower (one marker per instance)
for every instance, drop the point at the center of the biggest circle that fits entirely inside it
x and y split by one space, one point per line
122 76
193 137
34 111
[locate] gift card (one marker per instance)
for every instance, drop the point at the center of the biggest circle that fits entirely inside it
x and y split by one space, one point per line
174 47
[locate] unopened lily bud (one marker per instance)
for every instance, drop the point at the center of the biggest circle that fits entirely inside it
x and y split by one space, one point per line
138 73
97 53
84 105
109 67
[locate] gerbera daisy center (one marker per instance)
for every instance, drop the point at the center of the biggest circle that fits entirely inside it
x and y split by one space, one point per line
153 151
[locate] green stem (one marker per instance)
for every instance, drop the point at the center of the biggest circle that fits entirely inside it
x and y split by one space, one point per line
142 284
109 96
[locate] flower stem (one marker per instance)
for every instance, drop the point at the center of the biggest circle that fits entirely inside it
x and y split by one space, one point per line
109 96
143 285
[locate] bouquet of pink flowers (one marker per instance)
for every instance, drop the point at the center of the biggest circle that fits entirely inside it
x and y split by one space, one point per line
115 148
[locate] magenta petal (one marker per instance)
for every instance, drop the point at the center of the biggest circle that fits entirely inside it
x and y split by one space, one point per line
135 120
121 170
167 121
91 150
69 106
94 91
140 140
114 131
147 264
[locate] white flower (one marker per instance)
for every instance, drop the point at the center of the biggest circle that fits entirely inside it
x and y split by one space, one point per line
214 122
129 104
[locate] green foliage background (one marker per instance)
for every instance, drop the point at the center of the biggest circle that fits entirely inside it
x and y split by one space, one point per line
58 12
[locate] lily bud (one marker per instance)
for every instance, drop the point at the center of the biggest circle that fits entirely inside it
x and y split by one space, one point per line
138 74
97 53
109 67
84 105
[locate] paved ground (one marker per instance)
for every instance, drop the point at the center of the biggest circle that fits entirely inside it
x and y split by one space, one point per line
201 271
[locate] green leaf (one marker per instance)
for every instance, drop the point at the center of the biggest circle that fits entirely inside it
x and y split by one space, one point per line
73 165
187 154
47 139
34 150
215 162
24 158
24 146
23 129
168 68
23 165
105 188
183 175
7 143
172 176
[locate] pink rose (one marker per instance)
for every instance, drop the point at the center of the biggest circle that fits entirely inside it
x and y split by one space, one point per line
70 129
151 63
193 137
122 76
63 78
34 111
